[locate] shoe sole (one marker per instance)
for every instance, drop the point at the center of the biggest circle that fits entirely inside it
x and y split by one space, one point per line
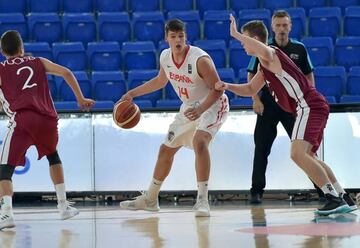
202 214
70 216
352 208
341 209
135 209
9 226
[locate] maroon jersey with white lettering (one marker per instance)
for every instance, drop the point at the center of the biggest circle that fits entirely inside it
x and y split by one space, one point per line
291 89
24 86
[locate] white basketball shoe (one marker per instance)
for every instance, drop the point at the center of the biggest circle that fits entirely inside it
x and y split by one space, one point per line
66 210
141 202
202 208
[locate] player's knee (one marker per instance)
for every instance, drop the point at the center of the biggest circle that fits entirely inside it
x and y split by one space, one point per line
297 155
53 158
200 145
6 172
165 152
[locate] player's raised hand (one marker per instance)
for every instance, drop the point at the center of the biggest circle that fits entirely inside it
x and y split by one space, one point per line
219 85
233 28
86 104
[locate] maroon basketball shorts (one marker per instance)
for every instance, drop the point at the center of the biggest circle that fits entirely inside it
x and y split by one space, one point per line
29 128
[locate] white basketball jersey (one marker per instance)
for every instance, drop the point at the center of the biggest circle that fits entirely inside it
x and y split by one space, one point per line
187 83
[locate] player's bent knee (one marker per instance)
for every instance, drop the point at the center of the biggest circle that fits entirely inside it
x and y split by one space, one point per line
53 158
6 172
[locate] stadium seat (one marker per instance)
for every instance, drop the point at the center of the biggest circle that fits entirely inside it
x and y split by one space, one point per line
347 51
114 27
216 49
298 20
65 92
15 6
139 55
39 49
78 6
170 92
45 27
308 4
343 4
206 5
330 80
138 77
236 5
243 75
148 26
353 81
227 75
320 50
108 85
66 106
103 105
331 99
192 21
52 87
168 104
351 20
14 21
44 6
350 99
241 102
71 55
325 22
79 27
141 5
238 57
144 104
162 45
216 25
110 5
2 57
183 5
277 4
104 56
255 14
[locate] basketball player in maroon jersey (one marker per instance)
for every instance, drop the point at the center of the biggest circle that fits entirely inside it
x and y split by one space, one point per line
26 100
295 94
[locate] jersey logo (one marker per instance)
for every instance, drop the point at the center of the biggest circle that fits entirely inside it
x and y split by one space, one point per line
170 136
180 78
294 56
189 69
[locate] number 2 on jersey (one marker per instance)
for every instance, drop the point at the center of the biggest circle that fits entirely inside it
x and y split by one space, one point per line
183 91
27 84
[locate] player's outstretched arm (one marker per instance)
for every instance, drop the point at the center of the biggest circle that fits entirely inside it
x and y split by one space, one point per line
152 85
58 70
252 46
249 89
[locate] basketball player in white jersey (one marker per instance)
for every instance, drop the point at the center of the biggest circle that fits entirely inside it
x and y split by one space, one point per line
192 73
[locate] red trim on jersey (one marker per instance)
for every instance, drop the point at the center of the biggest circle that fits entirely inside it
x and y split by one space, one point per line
182 62
220 113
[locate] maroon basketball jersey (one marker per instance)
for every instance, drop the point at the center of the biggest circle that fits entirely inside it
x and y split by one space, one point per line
292 90
24 86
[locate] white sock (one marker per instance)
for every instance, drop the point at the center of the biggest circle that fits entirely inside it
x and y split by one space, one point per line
60 192
202 190
154 189
6 204
338 188
328 188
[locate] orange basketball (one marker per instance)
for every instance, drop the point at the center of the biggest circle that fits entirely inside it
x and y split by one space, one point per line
126 114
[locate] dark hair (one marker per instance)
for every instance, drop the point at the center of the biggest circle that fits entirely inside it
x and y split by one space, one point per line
256 28
175 25
11 42
281 13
